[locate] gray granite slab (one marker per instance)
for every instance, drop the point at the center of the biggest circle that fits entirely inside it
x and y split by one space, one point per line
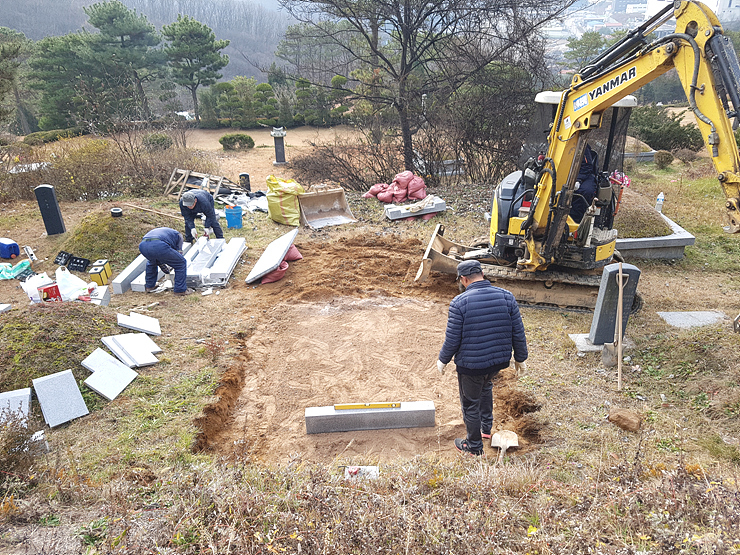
117 350
122 282
100 360
395 212
133 348
110 382
16 401
272 256
413 414
59 397
695 319
140 322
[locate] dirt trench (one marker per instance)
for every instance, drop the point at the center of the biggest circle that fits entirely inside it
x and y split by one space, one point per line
347 324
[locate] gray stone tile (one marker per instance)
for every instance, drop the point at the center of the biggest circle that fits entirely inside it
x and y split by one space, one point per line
117 350
16 401
132 346
695 319
413 414
140 322
100 360
110 382
60 398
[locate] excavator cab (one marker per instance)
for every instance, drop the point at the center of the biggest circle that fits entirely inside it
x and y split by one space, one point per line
514 194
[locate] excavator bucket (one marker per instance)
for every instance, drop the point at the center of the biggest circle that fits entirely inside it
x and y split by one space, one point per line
322 206
443 255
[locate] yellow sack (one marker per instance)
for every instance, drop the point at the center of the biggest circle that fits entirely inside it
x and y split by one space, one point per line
282 200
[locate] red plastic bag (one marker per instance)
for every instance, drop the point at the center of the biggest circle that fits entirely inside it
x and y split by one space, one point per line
293 254
277 274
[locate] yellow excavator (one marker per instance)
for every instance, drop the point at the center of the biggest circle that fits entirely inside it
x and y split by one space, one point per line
552 222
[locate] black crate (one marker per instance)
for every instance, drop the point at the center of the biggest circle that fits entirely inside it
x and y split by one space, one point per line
77 264
62 258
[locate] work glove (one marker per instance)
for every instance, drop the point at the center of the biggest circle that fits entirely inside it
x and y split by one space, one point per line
520 367
441 367
194 234
209 231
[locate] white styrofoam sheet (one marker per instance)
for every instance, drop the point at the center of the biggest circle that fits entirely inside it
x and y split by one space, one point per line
140 322
59 397
272 256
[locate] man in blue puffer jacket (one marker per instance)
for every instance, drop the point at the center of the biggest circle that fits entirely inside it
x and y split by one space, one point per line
483 327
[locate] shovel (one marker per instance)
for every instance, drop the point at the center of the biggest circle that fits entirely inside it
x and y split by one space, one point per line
503 440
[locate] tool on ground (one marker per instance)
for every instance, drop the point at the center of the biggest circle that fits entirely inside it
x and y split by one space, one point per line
503 440
385 405
323 205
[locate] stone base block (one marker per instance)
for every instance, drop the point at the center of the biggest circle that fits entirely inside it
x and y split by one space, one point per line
413 414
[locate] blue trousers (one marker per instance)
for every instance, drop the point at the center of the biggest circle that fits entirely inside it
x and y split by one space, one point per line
476 400
159 252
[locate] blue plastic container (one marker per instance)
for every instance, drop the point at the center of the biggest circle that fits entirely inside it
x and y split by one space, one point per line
234 217
9 248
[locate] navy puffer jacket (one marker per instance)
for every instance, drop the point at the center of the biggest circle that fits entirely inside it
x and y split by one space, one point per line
483 327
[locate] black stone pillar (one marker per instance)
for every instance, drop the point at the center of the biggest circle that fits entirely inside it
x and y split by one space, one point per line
50 212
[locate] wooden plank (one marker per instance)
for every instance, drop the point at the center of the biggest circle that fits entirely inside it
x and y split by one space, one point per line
185 177
169 186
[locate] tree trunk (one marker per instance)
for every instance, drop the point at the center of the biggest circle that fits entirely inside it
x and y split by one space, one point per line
145 111
403 116
195 104
25 126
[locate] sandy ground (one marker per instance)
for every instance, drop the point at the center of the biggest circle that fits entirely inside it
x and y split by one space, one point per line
258 162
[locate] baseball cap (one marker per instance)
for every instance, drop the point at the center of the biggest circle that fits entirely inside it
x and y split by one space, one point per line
468 267
188 199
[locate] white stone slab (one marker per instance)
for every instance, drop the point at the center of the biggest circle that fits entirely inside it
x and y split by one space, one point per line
220 272
695 319
100 295
272 257
138 282
5 308
16 401
205 259
584 345
118 351
100 360
140 322
133 348
60 398
110 382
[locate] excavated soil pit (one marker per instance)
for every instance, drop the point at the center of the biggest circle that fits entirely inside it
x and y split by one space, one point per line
348 349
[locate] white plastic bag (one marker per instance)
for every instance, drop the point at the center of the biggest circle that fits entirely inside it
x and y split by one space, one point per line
32 284
70 286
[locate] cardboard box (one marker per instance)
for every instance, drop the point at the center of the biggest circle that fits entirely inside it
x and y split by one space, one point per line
49 293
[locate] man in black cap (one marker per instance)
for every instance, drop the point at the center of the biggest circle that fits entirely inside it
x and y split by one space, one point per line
483 327
194 203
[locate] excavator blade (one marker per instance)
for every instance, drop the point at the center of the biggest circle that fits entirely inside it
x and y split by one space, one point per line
548 289
324 206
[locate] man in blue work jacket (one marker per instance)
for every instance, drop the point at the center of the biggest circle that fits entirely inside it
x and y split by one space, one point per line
162 247
193 203
483 327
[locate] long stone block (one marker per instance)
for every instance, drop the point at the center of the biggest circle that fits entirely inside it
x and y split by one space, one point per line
60 398
17 402
122 282
394 212
412 414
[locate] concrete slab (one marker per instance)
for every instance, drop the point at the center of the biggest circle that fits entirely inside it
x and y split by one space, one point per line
695 319
413 414
17 401
100 360
60 398
110 382
272 256
122 281
395 212
140 322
